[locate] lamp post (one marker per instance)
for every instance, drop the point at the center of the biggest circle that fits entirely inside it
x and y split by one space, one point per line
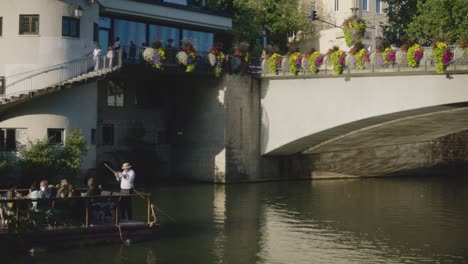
355 8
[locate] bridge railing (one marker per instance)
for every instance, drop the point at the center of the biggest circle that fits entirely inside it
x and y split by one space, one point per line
427 64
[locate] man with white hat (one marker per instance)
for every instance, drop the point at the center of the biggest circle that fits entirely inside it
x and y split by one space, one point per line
126 178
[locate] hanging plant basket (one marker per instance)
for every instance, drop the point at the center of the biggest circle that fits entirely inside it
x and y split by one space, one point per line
354 30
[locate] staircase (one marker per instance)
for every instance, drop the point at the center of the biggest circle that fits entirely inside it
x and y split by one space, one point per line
24 86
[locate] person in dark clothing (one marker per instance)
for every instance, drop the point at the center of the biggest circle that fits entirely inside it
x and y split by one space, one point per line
92 190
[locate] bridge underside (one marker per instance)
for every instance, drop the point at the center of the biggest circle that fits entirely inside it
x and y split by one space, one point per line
420 125
412 142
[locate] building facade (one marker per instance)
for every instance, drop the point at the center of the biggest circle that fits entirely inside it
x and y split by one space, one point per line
116 114
337 11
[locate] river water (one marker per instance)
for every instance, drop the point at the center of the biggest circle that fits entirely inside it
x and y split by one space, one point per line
389 220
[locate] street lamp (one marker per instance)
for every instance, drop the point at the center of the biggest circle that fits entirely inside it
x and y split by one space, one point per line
78 12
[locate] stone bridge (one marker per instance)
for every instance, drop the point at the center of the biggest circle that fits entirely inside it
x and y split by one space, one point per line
365 124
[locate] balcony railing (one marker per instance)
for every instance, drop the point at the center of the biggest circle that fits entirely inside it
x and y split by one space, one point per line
194 5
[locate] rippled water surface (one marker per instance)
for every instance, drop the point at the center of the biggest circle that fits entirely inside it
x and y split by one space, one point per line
403 220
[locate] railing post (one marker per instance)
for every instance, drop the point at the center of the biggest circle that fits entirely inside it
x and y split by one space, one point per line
148 205
87 213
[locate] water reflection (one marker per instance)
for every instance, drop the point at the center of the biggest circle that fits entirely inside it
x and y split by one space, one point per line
418 220
219 217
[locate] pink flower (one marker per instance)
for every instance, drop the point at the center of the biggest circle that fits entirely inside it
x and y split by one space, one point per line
418 55
318 61
366 57
391 56
341 60
447 57
298 61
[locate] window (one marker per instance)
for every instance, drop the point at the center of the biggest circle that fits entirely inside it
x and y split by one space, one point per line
70 27
108 134
337 5
96 32
202 41
365 5
55 135
29 24
7 139
115 94
93 136
1 25
177 2
378 6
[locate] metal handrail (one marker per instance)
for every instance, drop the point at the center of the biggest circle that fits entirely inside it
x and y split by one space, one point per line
55 74
51 66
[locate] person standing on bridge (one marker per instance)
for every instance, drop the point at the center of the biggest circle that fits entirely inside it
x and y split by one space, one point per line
126 178
96 53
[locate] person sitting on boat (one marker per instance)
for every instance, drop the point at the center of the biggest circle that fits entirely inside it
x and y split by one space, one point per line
126 178
92 190
64 190
35 193
44 189
9 208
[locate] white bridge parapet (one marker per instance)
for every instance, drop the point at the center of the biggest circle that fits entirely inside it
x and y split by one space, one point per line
299 113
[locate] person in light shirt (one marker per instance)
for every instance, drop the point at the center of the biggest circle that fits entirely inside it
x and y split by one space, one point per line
126 178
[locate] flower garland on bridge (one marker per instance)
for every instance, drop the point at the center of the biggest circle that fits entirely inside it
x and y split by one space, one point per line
216 58
338 58
295 60
414 55
315 60
443 56
156 57
389 56
362 57
273 62
188 56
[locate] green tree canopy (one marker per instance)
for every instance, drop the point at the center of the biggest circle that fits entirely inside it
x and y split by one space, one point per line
44 160
446 19
399 13
280 18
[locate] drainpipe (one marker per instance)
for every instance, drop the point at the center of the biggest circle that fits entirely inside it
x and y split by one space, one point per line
2 85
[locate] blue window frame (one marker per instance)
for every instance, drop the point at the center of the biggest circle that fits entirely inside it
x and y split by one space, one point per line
70 27
365 5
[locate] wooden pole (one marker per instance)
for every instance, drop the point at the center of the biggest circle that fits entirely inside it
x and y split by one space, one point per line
87 213
117 213
17 212
148 205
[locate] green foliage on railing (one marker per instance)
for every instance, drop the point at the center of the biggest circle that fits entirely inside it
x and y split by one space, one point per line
442 55
273 62
295 62
315 61
338 58
415 54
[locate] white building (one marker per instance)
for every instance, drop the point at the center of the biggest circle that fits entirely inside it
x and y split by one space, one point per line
44 42
337 11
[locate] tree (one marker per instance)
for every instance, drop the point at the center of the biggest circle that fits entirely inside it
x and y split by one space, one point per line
280 19
446 19
42 159
399 14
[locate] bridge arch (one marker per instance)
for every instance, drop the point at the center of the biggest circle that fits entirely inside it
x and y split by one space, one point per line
316 115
